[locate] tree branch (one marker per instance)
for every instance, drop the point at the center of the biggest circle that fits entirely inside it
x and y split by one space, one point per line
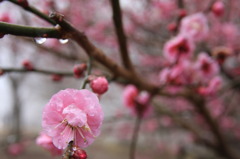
223 147
27 31
117 19
180 4
100 56
47 72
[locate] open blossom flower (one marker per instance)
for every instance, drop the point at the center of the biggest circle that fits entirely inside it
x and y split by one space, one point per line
72 115
45 141
178 48
180 74
206 66
195 26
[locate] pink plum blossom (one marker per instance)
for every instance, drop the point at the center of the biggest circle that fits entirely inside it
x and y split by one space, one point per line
45 141
16 149
205 66
72 115
178 48
195 26
213 86
180 74
137 102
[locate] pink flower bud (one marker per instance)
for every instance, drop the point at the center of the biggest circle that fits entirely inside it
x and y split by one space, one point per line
218 8
172 27
57 77
182 13
99 85
1 72
2 35
45 141
16 149
27 65
79 69
5 18
23 3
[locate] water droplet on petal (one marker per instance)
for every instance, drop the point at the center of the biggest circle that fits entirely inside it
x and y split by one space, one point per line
40 40
63 41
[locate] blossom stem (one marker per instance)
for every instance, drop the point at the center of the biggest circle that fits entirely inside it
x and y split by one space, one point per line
135 137
68 151
89 69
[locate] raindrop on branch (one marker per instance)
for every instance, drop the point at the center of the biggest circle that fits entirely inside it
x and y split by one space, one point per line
40 40
63 41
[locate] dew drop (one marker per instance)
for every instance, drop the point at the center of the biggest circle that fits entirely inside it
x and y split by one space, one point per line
40 40
63 41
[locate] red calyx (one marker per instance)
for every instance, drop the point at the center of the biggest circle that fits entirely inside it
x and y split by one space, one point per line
57 77
27 65
79 153
79 69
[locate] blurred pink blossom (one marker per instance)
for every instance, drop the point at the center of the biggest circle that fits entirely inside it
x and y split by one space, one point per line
178 48
16 148
212 88
130 94
195 26
206 67
137 102
45 141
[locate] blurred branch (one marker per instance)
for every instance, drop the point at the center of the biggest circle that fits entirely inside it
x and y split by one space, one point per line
180 4
135 137
209 6
34 11
117 19
223 147
47 72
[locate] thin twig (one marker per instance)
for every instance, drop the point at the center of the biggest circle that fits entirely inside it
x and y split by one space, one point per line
180 4
36 70
135 138
89 69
